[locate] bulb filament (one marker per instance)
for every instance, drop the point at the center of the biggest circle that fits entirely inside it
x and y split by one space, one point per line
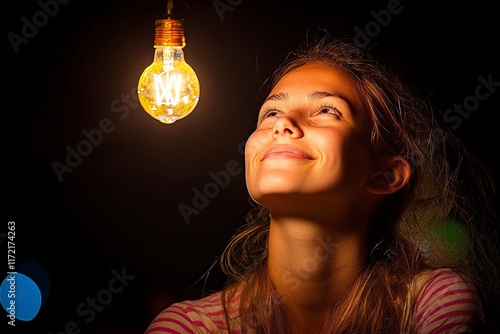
168 88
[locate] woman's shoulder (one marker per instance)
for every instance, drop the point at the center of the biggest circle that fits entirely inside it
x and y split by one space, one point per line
443 282
204 315
447 302
200 315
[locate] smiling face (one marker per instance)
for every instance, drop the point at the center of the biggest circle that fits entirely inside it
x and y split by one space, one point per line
312 138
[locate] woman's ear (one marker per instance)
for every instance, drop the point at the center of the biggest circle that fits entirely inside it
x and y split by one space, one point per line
394 176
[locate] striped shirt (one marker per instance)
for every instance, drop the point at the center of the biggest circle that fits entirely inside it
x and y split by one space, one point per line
445 305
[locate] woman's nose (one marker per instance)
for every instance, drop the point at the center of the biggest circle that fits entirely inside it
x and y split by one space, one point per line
286 126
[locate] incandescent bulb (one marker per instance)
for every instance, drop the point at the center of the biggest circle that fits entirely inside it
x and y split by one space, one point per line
169 88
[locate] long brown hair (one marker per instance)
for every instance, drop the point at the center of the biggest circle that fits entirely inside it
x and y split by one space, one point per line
444 179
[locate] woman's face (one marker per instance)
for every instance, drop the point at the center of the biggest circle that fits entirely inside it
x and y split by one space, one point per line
312 138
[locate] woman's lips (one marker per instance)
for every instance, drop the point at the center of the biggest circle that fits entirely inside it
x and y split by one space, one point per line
286 151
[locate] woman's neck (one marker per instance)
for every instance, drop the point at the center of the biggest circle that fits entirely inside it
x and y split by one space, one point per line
312 266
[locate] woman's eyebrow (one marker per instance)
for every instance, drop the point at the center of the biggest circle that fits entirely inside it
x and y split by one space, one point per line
320 95
316 95
275 97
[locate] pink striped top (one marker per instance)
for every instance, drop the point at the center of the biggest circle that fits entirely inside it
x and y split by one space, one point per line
447 304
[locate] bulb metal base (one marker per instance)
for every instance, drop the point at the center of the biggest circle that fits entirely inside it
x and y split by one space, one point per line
169 32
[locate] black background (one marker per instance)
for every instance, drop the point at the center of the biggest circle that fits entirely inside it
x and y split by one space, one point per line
118 208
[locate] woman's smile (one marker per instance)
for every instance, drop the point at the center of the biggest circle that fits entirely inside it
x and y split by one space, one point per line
286 151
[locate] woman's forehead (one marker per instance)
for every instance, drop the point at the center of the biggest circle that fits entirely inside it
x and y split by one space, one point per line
319 78
318 75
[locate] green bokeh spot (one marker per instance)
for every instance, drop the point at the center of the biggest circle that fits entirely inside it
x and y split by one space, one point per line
453 236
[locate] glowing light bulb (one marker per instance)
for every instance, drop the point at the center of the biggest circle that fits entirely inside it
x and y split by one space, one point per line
169 88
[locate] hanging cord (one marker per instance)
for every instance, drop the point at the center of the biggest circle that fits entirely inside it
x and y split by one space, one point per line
170 7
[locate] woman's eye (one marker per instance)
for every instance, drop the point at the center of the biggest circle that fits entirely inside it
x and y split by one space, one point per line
269 113
329 110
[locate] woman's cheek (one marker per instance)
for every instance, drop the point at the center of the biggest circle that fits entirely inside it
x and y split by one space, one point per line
256 141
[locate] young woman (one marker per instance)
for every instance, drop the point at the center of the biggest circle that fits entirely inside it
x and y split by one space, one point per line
358 191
